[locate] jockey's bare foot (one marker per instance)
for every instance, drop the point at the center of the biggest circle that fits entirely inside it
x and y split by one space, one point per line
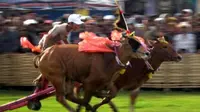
37 83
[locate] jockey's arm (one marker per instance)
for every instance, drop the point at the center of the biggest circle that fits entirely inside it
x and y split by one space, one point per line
45 41
62 42
51 34
41 42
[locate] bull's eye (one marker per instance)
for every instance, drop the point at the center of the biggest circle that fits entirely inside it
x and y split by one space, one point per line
134 44
165 47
151 47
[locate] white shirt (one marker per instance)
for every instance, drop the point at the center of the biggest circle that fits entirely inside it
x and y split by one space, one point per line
186 42
57 33
58 30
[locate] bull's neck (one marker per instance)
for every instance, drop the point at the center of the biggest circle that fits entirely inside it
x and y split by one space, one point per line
155 61
138 71
123 56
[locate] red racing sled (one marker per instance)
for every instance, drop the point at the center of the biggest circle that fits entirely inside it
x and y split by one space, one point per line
32 101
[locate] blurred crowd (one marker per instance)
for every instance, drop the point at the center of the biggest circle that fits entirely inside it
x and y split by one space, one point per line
181 29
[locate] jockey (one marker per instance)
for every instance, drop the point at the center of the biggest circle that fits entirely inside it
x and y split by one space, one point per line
58 34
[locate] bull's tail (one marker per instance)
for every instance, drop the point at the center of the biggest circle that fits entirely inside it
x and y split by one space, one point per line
36 59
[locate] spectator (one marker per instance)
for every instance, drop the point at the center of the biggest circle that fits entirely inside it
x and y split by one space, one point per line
130 23
91 25
108 21
171 28
196 29
139 29
154 30
9 40
185 42
187 14
31 31
47 25
85 18
148 27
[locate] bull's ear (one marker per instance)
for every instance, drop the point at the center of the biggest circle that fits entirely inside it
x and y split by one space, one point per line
161 38
122 40
151 42
124 35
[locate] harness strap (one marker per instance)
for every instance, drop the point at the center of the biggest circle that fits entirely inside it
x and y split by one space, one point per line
117 58
148 65
119 61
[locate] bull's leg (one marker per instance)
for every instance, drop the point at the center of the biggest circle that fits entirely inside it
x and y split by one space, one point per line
82 102
77 88
113 93
133 98
88 92
59 84
71 96
112 106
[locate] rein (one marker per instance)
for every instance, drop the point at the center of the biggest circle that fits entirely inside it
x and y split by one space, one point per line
139 52
128 63
148 64
145 59
117 58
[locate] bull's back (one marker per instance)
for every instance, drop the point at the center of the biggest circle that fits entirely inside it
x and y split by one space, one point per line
74 63
70 55
67 57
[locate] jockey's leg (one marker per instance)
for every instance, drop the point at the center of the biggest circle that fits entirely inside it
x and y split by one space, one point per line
36 82
41 83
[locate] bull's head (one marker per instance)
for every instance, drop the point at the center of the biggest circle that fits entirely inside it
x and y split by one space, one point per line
131 48
164 51
136 46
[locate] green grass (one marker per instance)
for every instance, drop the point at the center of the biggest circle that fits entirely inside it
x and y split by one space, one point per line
148 101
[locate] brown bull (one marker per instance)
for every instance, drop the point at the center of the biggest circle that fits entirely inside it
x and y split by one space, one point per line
63 64
138 74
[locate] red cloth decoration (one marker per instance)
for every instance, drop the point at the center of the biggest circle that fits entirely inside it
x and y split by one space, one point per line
26 44
93 43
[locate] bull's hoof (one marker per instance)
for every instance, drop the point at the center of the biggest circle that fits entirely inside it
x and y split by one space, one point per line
72 110
113 107
34 105
95 107
90 109
78 109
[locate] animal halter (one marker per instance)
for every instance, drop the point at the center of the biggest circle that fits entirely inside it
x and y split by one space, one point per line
148 64
118 60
